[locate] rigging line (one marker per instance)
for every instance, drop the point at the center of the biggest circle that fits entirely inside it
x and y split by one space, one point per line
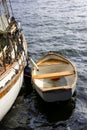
11 8
0 8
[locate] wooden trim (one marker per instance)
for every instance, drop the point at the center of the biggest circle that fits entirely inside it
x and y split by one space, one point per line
3 69
54 88
52 62
58 57
10 84
53 75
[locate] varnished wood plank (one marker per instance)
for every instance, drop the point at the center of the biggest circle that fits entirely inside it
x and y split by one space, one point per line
52 75
51 62
2 69
55 88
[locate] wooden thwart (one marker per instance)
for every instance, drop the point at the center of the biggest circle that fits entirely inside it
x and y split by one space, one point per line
55 88
53 75
51 62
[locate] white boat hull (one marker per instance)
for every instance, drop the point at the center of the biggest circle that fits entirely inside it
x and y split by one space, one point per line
13 54
7 101
11 82
56 95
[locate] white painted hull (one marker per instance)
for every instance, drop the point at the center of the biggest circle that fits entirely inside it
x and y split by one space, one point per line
56 78
11 82
13 53
7 101
56 95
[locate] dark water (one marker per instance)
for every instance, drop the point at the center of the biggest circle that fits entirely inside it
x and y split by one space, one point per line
59 26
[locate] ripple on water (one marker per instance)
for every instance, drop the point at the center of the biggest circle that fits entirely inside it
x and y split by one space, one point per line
58 26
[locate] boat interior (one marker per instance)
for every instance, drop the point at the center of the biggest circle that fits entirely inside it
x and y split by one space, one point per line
54 74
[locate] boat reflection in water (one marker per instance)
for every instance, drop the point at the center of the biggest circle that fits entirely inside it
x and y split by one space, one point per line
56 111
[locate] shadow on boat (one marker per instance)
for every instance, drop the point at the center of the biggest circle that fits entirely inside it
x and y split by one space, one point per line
56 111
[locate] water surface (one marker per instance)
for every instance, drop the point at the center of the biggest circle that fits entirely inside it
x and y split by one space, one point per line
61 27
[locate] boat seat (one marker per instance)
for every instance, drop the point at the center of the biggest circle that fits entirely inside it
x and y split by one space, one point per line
53 75
51 62
55 88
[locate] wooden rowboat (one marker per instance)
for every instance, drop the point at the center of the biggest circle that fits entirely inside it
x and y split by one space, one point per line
56 78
